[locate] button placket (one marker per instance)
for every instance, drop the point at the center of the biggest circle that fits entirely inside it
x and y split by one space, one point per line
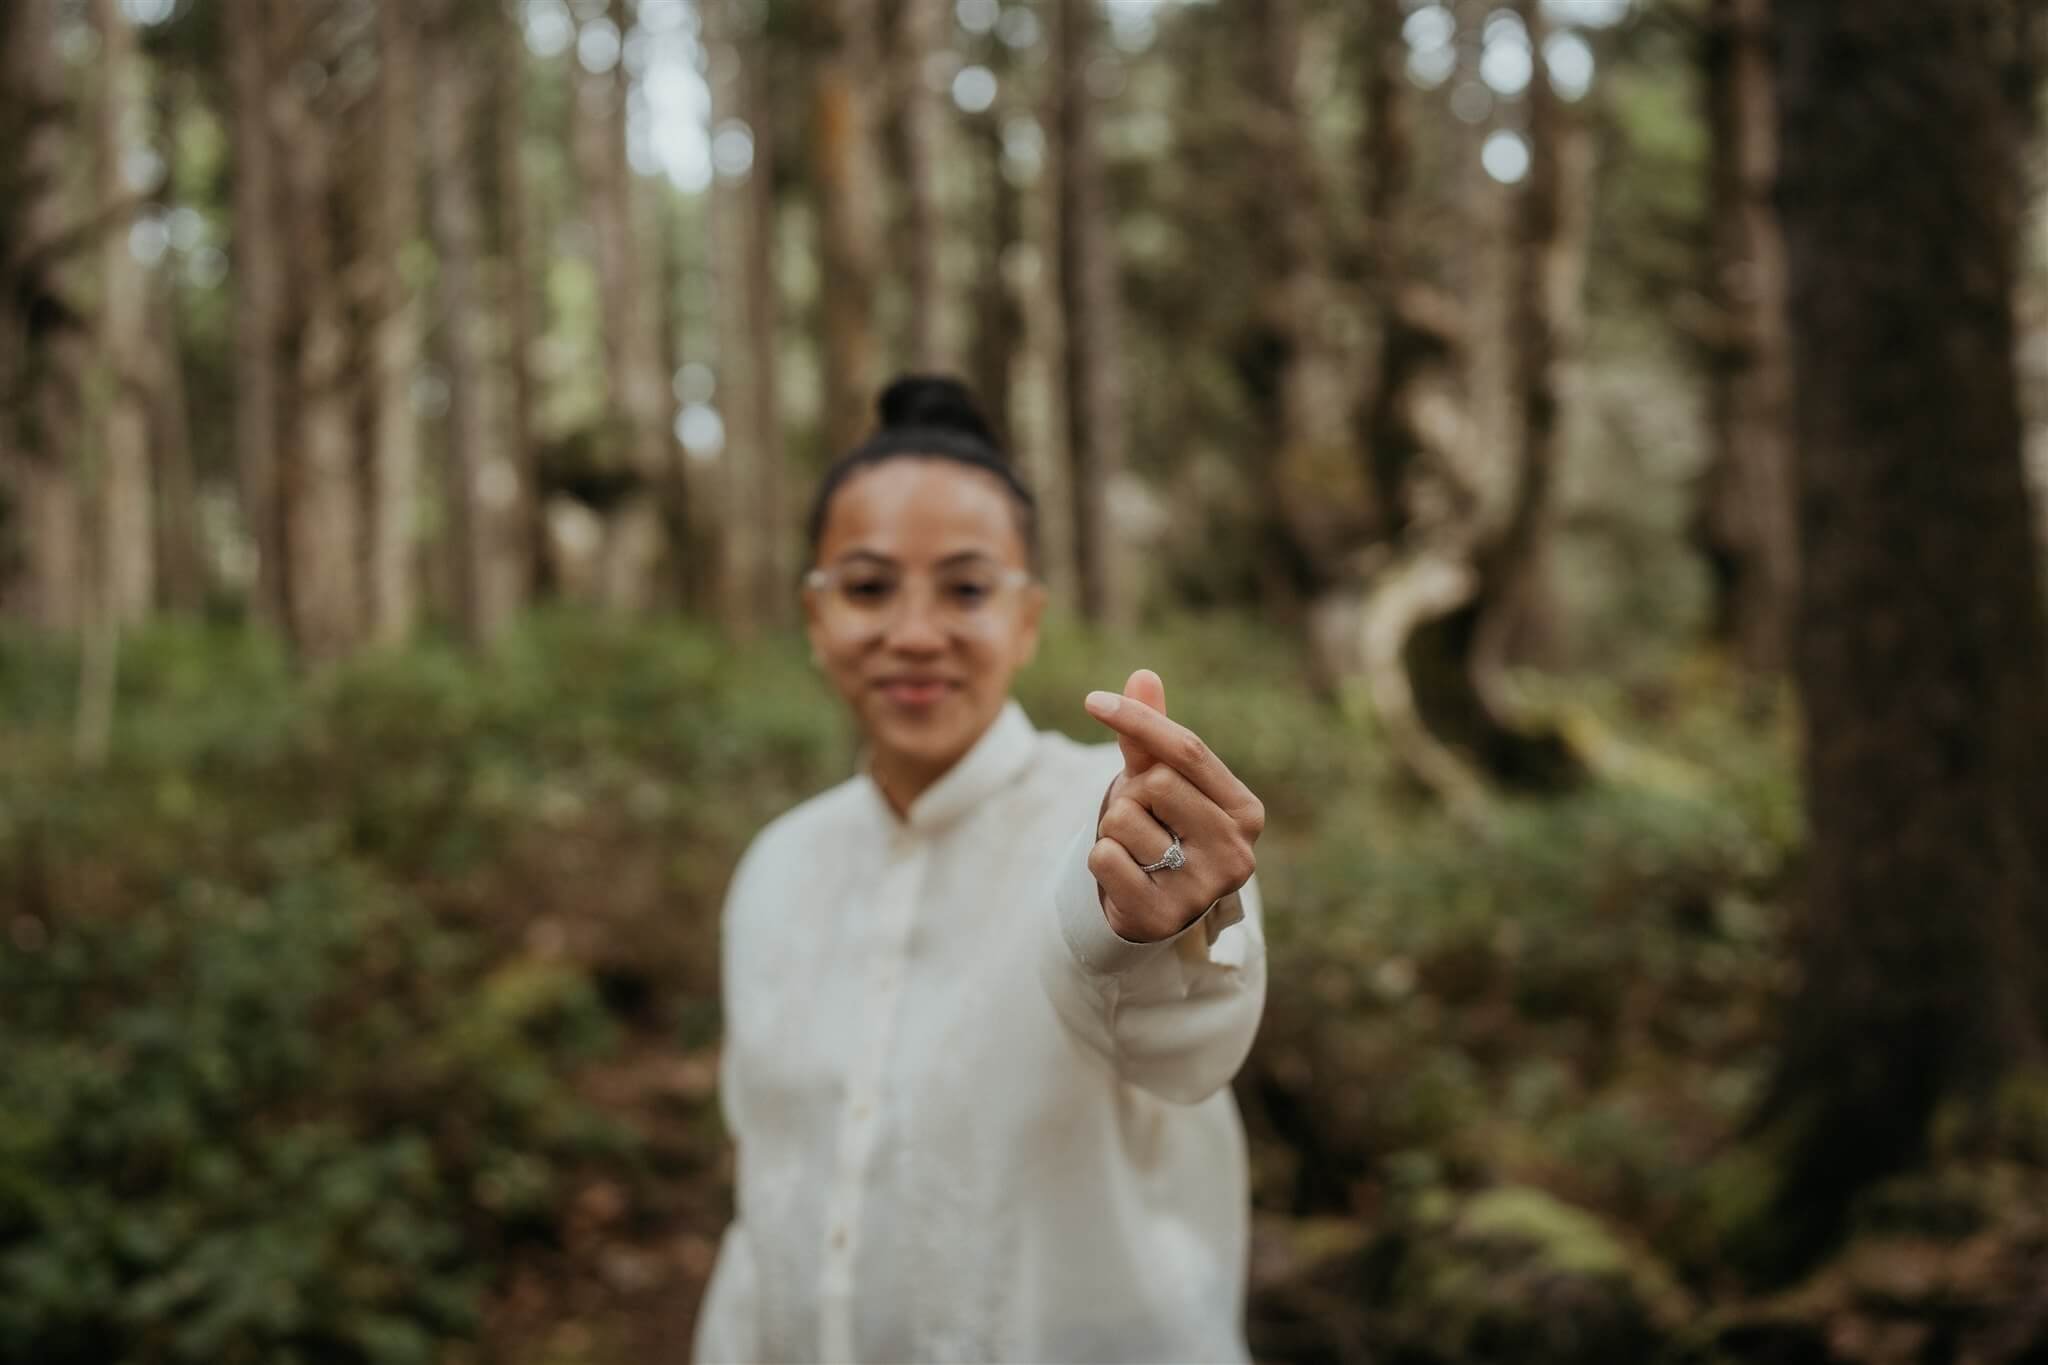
896 904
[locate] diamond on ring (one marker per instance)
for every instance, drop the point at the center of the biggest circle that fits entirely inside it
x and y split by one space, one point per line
1173 858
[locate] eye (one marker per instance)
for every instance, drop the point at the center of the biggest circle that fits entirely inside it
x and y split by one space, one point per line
969 592
868 591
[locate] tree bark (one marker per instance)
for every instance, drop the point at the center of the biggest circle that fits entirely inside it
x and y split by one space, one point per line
525 539
1745 524
920 31
1280 354
756 569
843 165
1414 342
999 313
483 485
1089 293
394 344
182 582
320 492
778 564
1518 621
258 282
630 324
44 346
738 547
125 576
1920 657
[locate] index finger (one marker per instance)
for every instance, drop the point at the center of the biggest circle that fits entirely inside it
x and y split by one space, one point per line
1174 745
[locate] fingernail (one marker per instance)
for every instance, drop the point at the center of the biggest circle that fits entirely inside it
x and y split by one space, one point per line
1103 703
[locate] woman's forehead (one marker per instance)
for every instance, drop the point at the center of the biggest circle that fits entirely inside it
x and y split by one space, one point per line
921 511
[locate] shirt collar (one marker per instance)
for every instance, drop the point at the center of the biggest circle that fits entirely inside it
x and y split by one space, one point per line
989 765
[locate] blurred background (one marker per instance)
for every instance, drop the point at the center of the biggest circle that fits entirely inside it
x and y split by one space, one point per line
406 416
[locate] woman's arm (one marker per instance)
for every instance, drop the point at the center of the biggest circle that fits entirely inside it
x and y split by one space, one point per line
1162 970
1175 1017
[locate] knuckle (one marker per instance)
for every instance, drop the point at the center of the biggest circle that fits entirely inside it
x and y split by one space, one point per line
1192 750
1102 858
1234 866
1254 818
1122 813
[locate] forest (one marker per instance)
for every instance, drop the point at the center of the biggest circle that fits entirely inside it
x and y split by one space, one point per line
1583 462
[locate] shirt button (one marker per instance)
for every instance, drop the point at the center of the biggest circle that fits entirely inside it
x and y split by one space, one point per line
839 1239
860 1109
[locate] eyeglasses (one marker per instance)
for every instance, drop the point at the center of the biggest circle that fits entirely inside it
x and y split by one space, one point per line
867 599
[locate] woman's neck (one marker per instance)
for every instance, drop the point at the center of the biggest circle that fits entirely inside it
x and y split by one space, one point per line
902 780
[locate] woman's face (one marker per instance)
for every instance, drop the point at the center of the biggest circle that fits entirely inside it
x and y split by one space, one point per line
924 610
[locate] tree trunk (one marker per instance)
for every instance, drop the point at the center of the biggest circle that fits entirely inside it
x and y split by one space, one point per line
182 584
44 347
733 229
394 343
319 488
524 540
920 32
483 486
1518 621
778 565
1745 523
1392 439
630 324
1089 294
1279 356
756 572
843 166
258 283
999 313
1920 654
126 553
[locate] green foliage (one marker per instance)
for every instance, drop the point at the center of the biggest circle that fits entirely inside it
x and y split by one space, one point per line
300 988
291 1073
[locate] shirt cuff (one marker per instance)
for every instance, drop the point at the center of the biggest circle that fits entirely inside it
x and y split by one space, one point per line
1098 948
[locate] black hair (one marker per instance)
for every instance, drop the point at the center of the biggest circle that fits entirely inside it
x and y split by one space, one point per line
933 417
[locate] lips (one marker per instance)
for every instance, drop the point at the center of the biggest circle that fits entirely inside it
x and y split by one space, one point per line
913 690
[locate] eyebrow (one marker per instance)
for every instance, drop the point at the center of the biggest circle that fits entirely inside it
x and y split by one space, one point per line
954 560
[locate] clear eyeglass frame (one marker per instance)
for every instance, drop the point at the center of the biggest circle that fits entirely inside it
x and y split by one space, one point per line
847 613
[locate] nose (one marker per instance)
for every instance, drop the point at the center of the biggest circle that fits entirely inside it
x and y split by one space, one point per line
915 626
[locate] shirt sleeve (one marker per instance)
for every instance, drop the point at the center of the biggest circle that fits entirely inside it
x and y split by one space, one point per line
1175 1017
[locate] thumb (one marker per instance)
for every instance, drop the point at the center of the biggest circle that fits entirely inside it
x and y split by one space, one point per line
1143 686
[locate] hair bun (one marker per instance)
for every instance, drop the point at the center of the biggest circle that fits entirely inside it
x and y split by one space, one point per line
932 402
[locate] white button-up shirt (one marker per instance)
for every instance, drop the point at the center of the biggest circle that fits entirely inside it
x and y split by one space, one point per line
973 1123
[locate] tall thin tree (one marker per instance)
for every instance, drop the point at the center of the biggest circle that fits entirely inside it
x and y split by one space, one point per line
1745 522
919 36
843 168
393 598
258 297
45 346
1090 296
126 555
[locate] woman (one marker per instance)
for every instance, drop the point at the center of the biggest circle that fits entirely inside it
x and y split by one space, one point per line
984 1000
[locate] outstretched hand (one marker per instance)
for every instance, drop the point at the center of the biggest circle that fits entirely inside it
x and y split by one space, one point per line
1171 784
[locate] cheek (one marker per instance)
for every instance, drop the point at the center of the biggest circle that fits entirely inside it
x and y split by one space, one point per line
841 663
992 661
